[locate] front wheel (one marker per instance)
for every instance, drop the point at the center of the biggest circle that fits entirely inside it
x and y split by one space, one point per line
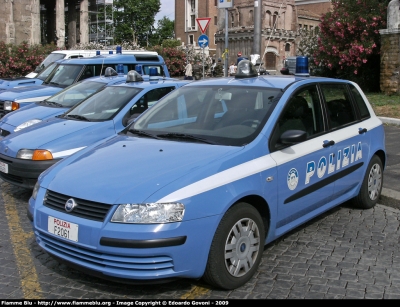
236 249
371 186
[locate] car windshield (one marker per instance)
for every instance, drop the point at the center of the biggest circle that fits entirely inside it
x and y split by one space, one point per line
103 105
73 94
47 71
226 115
65 75
52 57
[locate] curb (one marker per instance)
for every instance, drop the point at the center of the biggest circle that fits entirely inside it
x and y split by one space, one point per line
390 121
390 197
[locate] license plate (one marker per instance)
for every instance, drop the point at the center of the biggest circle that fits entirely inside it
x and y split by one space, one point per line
4 167
63 229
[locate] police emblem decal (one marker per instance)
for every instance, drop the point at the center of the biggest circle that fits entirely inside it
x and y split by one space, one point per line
292 179
70 205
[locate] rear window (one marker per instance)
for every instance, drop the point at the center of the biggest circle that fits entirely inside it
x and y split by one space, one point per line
362 107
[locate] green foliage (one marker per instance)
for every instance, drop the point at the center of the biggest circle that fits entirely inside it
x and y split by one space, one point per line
134 19
171 43
20 60
163 32
349 42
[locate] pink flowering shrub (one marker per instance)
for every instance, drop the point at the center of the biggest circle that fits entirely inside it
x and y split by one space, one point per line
349 43
175 59
20 60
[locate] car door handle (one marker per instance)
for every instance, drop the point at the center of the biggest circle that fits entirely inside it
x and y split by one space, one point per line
328 143
362 130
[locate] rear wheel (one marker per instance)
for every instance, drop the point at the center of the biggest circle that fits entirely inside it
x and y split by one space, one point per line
371 187
236 249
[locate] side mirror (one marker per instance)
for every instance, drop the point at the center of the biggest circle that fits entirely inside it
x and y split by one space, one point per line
293 137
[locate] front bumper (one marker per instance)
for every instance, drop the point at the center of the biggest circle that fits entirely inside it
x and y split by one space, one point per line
129 253
24 173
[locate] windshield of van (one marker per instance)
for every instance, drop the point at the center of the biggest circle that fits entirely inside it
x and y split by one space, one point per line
47 71
52 57
64 75
103 105
226 115
73 94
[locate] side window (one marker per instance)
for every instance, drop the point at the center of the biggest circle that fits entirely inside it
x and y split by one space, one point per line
146 101
364 112
302 112
338 105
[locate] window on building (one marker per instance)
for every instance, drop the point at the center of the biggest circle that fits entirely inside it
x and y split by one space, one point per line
287 47
193 21
305 28
215 20
268 19
275 20
191 39
232 20
215 2
250 22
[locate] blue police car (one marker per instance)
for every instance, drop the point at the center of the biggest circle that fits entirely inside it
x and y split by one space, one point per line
197 185
57 104
63 73
28 152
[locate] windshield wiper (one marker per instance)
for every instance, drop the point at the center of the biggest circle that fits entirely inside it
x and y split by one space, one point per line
54 83
77 117
52 103
142 133
185 136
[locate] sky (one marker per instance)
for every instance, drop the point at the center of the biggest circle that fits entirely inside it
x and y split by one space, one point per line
167 10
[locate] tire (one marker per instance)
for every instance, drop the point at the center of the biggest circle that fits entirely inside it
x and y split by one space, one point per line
371 186
234 244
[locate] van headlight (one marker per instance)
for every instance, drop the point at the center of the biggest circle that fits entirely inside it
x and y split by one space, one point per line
27 124
149 213
10 105
34 154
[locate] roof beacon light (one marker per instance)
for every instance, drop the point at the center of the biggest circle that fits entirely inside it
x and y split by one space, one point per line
246 69
153 71
133 76
119 49
302 66
97 52
138 68
110 52
110 72
120 69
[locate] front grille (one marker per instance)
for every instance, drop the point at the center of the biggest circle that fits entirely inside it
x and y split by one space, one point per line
107 262
85 209
12 178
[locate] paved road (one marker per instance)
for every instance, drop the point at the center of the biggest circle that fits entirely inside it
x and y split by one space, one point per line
345 253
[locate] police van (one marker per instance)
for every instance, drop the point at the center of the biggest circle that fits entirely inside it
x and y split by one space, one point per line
63 73
36 78
198 184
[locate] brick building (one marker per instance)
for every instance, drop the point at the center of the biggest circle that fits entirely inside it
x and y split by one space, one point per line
280 24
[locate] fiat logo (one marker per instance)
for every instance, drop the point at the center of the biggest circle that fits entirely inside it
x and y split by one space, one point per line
70 205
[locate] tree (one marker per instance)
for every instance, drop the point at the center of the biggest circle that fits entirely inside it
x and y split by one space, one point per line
164 31
349 41
134 19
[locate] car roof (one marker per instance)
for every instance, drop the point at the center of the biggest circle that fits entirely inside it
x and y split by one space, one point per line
273 81
153 83
114 59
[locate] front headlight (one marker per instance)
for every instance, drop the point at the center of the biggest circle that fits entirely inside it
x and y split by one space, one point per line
27 124
149 213
35 190
37 154
10 106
